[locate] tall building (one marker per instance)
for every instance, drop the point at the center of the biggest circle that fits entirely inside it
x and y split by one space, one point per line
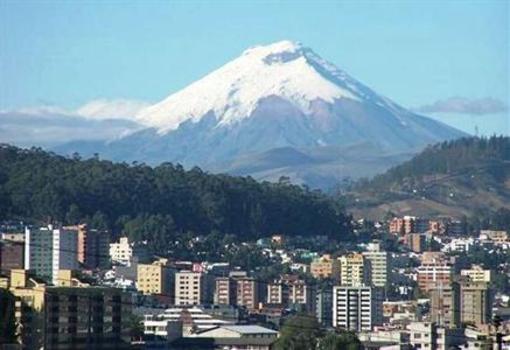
401 226
192 288
417 242
11 256
248 292
357 308
477 274
156 278
324 306
225 291
48 250
325 267
84 318
445 305
277 293
379 266
435 270
92 246
354 270
475 302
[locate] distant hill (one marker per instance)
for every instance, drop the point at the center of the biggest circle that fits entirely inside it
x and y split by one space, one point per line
461 177
42 186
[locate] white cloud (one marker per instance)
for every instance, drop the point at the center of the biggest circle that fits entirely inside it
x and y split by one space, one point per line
111 109
463 105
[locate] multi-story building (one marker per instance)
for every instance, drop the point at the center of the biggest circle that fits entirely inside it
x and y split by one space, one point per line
379 266
277 293
497 237
92 246
48 250
121 252
422 335
354 270
156 278
325 267
324 306
401 226
445 305
192 288
357 308
225 291
417 242
435 270
69 317
81 318
29 295
477 274
11 256
247 292
475 303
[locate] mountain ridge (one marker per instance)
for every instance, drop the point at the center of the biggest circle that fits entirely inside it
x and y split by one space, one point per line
272 97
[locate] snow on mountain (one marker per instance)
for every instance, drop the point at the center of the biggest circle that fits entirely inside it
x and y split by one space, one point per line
285 69
277 110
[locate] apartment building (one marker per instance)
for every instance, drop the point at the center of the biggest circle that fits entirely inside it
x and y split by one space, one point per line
417 242
325 267
357 308
354 270
192 288
475 303
477 274
445 305
92 246
101 311
247 292
11 256
225 291
435 270
156 278
122 251
48 250
324 306
379 266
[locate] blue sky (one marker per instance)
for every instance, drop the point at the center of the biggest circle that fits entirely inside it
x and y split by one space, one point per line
67 53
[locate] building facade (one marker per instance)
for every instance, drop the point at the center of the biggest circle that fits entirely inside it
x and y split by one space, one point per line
354 270
357 308
48 250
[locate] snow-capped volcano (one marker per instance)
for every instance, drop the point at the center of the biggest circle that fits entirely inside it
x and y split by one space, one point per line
286 69
277 110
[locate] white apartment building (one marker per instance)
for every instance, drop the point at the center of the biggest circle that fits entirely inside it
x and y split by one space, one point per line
48 250
357 308
190 288
121 252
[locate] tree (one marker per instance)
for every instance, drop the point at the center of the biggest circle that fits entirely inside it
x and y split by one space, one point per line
345 340
299 332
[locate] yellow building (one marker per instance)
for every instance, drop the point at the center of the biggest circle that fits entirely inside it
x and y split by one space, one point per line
155 278
325 267
29 304
354 271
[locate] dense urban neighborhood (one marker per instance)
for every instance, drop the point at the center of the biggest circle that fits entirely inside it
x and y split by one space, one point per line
408 282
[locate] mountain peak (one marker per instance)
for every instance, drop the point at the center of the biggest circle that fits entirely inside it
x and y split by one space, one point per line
285 69
279 47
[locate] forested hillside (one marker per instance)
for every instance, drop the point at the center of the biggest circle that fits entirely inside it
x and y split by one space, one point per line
46 187
462 177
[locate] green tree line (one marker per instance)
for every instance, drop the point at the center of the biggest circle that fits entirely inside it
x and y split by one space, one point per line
154 202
